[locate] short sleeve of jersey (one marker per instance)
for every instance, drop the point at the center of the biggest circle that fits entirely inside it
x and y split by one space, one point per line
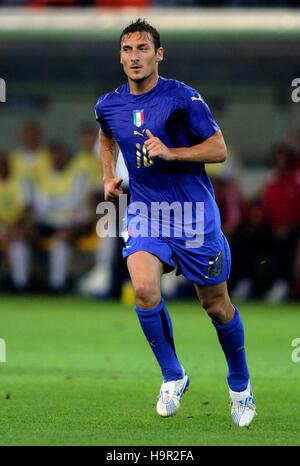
99 113
198 115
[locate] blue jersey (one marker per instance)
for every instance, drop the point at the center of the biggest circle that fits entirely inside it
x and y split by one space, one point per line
178 116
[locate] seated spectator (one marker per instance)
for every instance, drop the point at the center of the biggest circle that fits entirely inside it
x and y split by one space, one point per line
31 158
62 211
85 160
229 197
292 139
252 252
280 203
15 228
105 279
231 204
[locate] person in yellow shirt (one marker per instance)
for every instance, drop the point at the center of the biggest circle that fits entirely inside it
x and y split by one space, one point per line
15 228
61 209
30 158
86 160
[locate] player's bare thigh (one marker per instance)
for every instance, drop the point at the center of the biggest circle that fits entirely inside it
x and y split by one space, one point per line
216 301
145 271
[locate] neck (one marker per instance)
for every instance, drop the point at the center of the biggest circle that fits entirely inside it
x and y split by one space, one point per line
144 86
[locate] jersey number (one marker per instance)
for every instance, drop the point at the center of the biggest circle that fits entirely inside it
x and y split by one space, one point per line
215 266
142 157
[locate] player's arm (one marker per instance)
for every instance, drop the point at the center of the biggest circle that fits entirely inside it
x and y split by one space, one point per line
108 155
212 150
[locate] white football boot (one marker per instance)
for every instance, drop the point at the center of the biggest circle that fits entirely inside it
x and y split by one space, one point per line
169 396
242 405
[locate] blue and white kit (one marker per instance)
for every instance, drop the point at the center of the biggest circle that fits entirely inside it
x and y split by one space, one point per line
178 116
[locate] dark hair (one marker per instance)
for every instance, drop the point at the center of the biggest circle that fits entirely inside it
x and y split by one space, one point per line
86 128
55 144
287 150
141 25
32 124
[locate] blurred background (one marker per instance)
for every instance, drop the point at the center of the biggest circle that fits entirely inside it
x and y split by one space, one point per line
58 56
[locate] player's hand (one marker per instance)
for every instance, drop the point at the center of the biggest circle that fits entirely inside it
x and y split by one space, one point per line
156 148
112 189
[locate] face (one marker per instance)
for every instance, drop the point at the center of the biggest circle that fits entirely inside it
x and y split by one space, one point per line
30 136
255 215
87 140
281 161
58 157
138 56
4 169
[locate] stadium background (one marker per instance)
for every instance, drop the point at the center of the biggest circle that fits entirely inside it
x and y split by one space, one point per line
56 62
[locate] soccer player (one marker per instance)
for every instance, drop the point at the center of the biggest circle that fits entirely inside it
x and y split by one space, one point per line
166 133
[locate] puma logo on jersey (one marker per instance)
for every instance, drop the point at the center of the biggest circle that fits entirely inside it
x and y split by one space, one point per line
197 98
137 133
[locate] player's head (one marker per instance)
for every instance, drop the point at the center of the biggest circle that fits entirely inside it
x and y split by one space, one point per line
140 50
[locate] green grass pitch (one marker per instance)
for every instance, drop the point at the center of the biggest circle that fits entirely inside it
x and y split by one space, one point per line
78 372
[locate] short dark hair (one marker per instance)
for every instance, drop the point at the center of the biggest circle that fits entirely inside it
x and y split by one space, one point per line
287 150
86 128
141 25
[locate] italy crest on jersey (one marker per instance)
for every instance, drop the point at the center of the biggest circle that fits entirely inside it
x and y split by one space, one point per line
138 117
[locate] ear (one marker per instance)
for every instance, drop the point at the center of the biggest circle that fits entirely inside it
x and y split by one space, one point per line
160 54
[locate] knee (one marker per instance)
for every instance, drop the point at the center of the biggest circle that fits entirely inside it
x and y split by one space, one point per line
147 295
218 310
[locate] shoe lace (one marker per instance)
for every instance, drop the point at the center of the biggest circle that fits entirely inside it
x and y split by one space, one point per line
166 393
240 406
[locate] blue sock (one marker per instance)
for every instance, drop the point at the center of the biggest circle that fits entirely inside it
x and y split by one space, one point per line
231 338
157 327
